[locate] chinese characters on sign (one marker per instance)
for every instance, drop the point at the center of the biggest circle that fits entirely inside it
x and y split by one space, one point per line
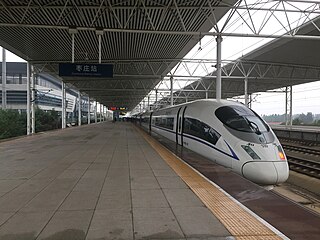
85 70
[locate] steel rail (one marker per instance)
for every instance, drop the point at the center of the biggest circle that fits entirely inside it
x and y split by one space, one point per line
304 166
301 149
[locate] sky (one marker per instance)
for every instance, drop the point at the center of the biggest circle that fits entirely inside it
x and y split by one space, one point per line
306 97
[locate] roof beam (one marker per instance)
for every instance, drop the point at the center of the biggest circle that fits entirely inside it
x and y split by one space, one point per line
221 6
226 34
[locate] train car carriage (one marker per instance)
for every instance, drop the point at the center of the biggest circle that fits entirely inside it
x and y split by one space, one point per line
225 132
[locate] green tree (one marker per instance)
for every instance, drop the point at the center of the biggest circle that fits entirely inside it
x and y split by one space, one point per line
296 121
46 120
12 124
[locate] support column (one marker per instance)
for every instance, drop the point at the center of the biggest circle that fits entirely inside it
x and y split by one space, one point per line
100 113
207 94
79 109
246 102
286 108
290 116
171 91
99 39
186 99
28 100
148 103
4 79
72 37
218 80
63 107
89 110
95 112
140 107
156 98
33 102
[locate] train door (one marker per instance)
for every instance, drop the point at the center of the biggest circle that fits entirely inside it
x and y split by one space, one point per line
150 121
179 130
178 127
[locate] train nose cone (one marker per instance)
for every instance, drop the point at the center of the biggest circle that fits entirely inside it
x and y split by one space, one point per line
282 170
266 173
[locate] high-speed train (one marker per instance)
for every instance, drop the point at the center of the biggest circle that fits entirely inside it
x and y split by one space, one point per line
226 132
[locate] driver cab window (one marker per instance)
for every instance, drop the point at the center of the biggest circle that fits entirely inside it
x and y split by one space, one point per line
241 118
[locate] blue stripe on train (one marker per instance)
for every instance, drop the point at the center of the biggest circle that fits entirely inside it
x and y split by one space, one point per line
234 156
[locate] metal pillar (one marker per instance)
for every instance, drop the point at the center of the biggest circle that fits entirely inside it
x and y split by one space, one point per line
290 116
250 102
33 102
89 110
246 102
186 99
28 100
95 112
156 99
63 105
218 66
99 39
288 109
100 117
171 91
4 79
79 109
149 103
140 107
72 36
207 94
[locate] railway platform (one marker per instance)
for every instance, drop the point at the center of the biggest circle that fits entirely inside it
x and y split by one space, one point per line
111 181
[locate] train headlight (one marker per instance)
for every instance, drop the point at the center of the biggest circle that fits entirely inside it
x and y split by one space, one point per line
281 153
250 151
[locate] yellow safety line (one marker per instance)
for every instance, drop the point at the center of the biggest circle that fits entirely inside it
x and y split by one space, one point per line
240 223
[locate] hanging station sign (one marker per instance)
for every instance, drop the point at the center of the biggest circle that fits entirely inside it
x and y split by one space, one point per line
85 70
117 108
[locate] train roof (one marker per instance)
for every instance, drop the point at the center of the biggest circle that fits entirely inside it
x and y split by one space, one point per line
220 102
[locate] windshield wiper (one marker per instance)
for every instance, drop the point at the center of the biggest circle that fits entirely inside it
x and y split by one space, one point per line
254 126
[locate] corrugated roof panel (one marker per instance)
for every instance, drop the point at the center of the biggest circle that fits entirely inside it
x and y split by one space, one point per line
34 42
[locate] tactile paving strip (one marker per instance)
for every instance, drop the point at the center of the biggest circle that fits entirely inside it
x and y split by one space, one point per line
240 223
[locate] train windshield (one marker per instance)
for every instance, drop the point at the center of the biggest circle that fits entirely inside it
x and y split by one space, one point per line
242 119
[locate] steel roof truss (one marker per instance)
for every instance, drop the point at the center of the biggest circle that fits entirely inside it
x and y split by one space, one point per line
214 22
266 19
26 11
180 17
113 13
8 11
98 14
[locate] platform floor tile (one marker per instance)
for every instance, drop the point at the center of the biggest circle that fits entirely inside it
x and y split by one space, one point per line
97 182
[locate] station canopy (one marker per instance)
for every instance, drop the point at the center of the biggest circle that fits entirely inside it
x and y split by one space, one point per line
278 64
144 40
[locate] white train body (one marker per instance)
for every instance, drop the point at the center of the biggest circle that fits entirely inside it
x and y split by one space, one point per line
225 132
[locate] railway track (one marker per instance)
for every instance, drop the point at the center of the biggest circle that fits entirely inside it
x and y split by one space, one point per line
301 149
304 166
300 142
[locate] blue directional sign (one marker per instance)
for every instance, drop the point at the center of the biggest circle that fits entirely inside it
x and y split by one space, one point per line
85 70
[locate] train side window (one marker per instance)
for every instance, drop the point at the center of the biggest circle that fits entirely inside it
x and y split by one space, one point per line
201 130
164 122
169 123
